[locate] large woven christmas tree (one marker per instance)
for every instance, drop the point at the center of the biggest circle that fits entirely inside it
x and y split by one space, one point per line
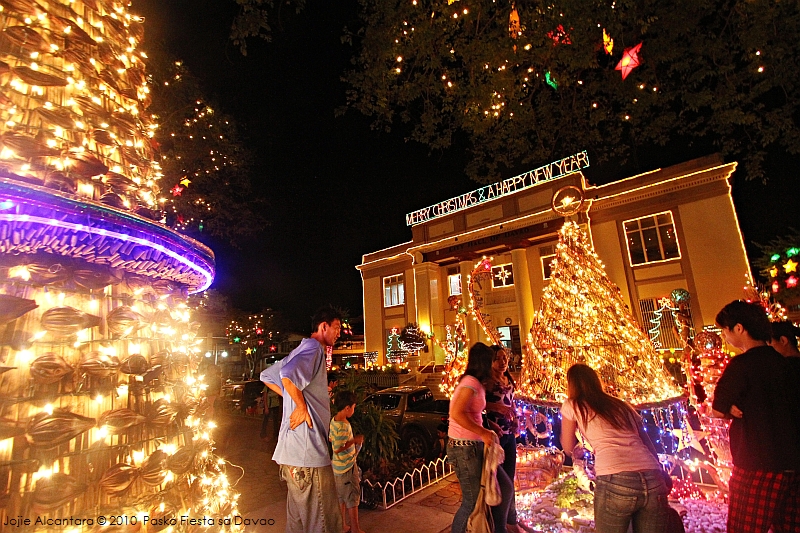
102 416
583 319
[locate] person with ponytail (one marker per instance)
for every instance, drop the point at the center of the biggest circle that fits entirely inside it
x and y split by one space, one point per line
631 488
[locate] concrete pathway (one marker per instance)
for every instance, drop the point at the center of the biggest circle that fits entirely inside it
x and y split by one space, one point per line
263 496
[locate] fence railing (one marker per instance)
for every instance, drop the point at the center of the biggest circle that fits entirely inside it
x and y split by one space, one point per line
386 495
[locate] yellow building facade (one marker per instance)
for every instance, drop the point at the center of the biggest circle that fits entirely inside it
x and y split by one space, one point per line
666 229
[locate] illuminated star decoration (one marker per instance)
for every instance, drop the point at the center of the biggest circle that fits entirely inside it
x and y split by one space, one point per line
608 42
248 351
773 272
176 190
790 266
514 27
559 36
791 282
550 80
690 437
776 286
567 201
629 61
185 182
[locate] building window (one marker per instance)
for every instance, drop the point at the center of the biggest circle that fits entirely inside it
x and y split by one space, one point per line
547 267
658 319
651 239
502 276
393 291
454 282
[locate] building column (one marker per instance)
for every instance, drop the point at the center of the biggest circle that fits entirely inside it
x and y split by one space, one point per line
428 301
522 291
466 299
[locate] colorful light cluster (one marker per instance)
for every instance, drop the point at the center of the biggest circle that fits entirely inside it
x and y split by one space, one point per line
583 318
100 236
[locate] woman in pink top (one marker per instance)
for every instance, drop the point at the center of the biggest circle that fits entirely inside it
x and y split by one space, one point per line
468 438
631 486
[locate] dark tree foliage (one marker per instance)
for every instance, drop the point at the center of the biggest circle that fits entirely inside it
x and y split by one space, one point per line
253 19
200 143
721 73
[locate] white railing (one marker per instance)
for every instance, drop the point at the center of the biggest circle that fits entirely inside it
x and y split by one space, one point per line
392 493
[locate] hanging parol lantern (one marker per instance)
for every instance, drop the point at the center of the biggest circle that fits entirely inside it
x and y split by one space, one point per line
56 490
66 321
179 462
98 365
48 431
123 321
49 368
118 420
154 468
629 61
118 478
514 27
135 364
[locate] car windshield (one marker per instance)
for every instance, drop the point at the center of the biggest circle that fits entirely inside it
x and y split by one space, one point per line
420 401
387 402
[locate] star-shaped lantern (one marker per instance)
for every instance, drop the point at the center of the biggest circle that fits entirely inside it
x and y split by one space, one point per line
791 282
176 190
559 36
185 182
629 61
690 437
608 43
773 272
790 266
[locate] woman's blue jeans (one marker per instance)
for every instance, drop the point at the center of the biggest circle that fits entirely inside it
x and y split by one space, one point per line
509 444
639 498
468 464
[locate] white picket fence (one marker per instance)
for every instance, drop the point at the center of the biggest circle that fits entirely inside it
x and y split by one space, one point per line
393 492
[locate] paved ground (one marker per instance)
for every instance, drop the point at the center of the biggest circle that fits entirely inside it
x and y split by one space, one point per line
263 495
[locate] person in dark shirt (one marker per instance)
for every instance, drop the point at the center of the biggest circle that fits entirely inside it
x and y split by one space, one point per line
784 340
755 390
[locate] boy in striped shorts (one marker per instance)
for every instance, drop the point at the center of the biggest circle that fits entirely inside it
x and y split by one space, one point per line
345 450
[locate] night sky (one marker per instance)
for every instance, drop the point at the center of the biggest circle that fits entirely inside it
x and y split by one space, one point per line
337 189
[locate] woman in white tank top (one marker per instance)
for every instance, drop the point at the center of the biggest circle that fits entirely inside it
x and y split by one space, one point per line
631 487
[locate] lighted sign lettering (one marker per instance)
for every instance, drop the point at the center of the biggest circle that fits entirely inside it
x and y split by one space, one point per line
547 172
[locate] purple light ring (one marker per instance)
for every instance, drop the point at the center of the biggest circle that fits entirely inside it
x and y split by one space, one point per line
69 203
83 218
207 276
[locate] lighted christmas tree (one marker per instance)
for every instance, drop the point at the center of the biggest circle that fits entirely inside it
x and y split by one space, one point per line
583 319
101 394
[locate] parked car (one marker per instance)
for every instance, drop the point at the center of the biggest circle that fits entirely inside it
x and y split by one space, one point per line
240 395
416 414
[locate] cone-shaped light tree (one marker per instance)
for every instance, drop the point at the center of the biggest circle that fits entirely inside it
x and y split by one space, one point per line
583 319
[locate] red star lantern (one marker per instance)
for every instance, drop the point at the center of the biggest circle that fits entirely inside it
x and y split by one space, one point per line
776 286
791 282
176 190
559 36
629 61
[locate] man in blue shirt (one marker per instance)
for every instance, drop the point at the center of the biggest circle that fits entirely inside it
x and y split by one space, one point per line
302 449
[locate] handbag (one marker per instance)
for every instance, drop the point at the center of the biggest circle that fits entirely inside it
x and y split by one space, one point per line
480 520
